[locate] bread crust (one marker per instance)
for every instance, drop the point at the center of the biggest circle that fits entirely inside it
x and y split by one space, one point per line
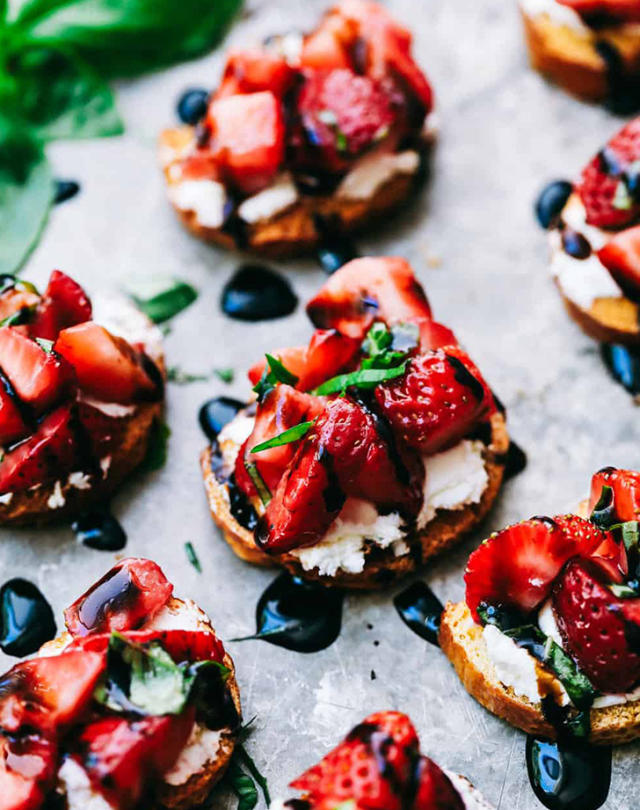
195 790
462 642
608 320
292 232
569 57
382 567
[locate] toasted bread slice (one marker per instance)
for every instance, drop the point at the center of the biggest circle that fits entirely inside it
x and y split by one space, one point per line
183 793
462 642
608 320
568 56
382 567
292 231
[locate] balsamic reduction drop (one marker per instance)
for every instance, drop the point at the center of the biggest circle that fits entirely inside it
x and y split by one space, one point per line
216 413
257 293
100 530
515 460
335 247
421 610
551 201
575 244
624 88
65 190
623 363
301 616
568 774
26 618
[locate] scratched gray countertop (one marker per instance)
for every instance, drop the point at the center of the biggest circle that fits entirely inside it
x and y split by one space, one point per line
472 239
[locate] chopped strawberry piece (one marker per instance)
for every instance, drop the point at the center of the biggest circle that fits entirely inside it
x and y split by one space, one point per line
604 178
49 454
104 432
16 298
13 425
39 377
106 366
327 48
439 400
621 257
131 593
434 335
593 627
27 771
327 354
435 791
123 756
252 71
369 289
628 10
182 645
626 492
49 693
247 139
515 568
63 304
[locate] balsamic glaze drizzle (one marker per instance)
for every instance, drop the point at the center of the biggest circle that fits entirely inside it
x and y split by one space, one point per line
26 618
257 293
100 530
421 610
335 248
623 363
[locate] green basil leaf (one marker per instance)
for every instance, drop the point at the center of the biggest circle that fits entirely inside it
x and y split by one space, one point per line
127 37
274 372
61 97
162 299
45 345
192 556
176 375
19 317
26 194
578 686
242 785
255 772
623 591
258 482
224 374
365 378
286 437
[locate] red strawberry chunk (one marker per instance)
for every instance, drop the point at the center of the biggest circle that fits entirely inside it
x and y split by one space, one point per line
247 139
439 400
63 304
516 568
123 756
435 791
369 289
251 71
13 425
49 454
27 771
626 491
593 627
39 377
628 10
131 593
327 48
603 179
106 366
621 257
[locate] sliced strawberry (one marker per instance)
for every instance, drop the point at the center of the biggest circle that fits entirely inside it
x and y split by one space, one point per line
327 48
626 492
327 354
252 71
628 10
435 791
49 454
434 335
515 568
247 139
13 425
106 366
16 298
123 756
39 377
369 289
439 400
49 693
621 257
604 178
593 628
131 593
27 771
63 304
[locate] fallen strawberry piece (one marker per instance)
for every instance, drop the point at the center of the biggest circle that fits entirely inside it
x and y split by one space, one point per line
247 139
435 791
621 257
131 593
516 568
252 71
626 492
439 400
51 453
27 771
369 289
593 627
107 367
63 304
40 377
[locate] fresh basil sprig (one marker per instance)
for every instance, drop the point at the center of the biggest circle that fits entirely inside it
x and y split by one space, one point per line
286 437
162 298
364 378
274 372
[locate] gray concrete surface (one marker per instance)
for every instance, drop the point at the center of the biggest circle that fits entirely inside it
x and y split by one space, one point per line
504 133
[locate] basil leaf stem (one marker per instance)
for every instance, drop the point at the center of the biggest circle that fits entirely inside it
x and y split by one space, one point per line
286 437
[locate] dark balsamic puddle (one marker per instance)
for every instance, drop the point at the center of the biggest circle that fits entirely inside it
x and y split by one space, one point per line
216 413
623 363
192 105
301 616
514 460
26 618
257 293
64 190
99 530
421 610
335 248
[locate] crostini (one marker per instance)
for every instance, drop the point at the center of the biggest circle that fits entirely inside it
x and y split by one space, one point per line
379 764
368 451
78 397
591 48
134 705
547 637
328 125
594 235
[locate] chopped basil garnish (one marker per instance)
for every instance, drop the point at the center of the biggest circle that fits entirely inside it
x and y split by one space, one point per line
180 377
274 373
258 482
19 317
45 345
162 299
365 378
192 556
286 437
254 771
224 374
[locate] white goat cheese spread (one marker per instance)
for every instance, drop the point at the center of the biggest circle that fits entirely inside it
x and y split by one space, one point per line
202 746
56 500
557 13
74 782
205 198
582 281
373 171
274 199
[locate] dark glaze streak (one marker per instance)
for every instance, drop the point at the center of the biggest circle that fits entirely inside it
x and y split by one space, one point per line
514 460
551 200
112 593
216 413
383 429
26 413
623 363
64 190
624 87
335 248
333 495
26 618
100 530
240 506
379 743
549 522
421 610
466 378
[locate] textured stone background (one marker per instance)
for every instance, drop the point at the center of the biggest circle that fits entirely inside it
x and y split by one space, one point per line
504 134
